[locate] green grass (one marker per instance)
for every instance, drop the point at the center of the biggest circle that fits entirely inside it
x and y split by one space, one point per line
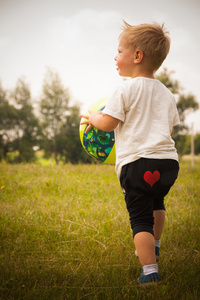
65 234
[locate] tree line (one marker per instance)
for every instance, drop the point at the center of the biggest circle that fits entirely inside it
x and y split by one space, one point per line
53 125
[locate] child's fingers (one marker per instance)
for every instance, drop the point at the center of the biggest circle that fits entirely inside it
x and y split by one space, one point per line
84 122
88 128
85 116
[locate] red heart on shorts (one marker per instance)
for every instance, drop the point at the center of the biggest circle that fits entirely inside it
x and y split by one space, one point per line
151 178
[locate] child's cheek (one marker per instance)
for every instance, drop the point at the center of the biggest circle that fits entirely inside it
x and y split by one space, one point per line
119 63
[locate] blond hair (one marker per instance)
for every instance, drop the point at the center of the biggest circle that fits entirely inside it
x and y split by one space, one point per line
152 39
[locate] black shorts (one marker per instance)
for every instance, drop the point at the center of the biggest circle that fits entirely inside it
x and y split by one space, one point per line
145 183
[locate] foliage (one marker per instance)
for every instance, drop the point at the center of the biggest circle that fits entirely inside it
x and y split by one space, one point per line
56 128
165 77
69 145
197 143
185 105
65 234
29 127
60 122
8 124
54 109
183 144
19 127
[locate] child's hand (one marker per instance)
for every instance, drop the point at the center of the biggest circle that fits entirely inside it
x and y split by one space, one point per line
87 121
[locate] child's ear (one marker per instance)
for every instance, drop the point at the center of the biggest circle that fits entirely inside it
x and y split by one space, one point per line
138 56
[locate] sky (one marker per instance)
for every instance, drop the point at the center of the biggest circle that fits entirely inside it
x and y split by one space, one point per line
79 40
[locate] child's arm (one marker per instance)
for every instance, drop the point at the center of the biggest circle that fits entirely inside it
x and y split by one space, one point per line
101 121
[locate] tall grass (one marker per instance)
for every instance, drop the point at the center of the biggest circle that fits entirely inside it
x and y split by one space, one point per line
65 234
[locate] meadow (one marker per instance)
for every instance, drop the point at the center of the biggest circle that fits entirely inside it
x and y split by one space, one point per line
65 234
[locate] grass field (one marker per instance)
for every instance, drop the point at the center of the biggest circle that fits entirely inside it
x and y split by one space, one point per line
65 234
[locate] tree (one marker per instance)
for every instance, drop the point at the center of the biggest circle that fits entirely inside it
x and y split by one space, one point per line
185 105
54 110
29 130
19 127
165 77
8 123
197 143
69 145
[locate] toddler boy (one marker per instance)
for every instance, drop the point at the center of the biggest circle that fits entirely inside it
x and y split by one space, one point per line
143 113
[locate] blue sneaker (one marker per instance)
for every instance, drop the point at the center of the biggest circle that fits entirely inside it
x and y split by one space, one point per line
149 279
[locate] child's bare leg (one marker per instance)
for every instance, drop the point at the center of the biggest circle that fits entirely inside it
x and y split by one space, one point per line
159 220
145 246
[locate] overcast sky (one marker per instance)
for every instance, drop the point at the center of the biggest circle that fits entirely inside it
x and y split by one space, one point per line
79 39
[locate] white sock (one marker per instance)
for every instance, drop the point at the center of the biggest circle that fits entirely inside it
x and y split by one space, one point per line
157 243
149 269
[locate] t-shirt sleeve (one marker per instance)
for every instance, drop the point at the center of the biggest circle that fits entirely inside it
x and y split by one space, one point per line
115 106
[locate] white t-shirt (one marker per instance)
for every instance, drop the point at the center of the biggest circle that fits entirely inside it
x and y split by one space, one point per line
147 111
